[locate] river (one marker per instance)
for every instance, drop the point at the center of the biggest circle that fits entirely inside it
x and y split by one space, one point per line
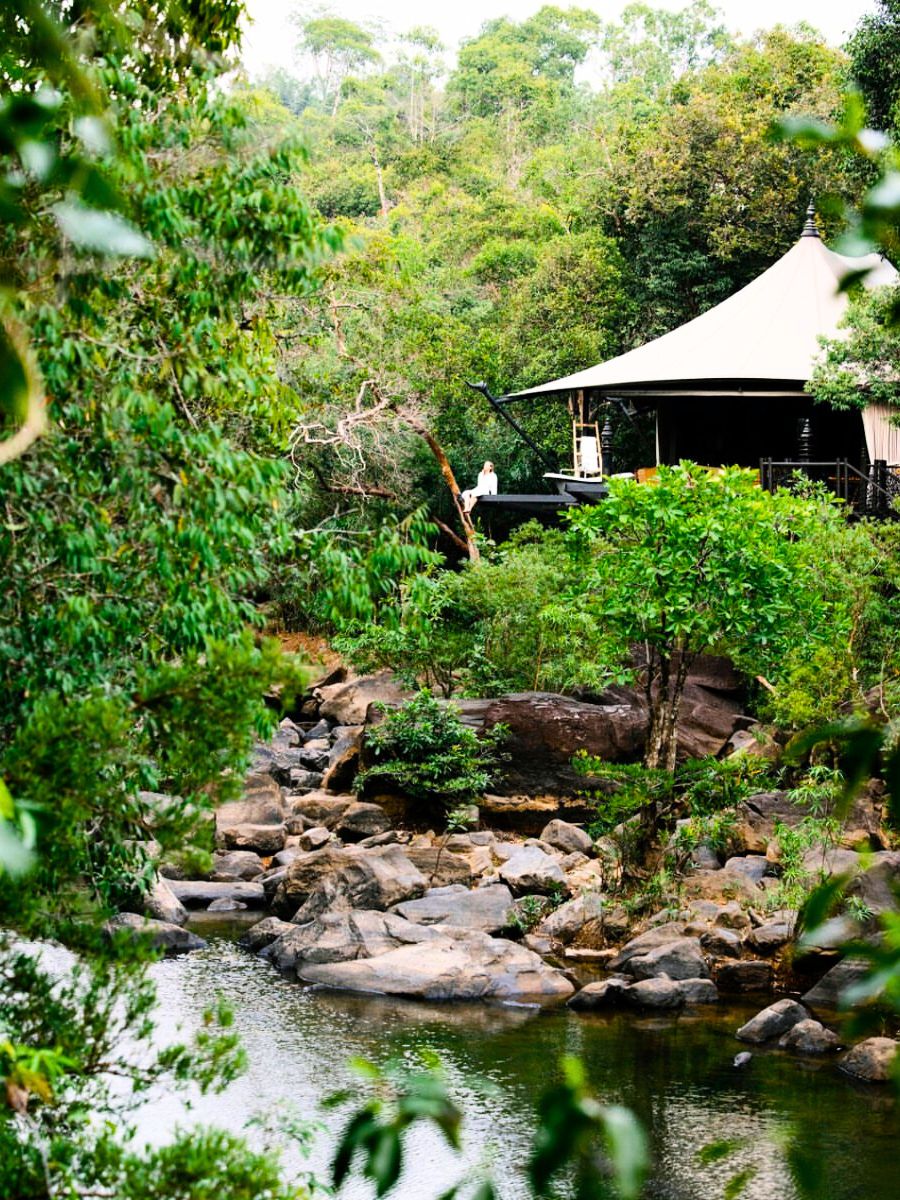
676 1073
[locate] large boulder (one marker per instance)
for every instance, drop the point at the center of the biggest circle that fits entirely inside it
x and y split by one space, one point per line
876 885
236 864
161 935
828 992
256 822
758 815
530 869
773 1021
348 703
317 808
307 871
576 919
546 730
161 904
263 933
362 821
604 994
659 992
343 936
809 1037
770 938
569 838
439 866
681 959
472 967
375 879
488 909
872 1061
343 759
745 975
659 935
200 893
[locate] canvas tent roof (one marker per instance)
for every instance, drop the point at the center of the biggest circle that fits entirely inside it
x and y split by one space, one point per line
764 338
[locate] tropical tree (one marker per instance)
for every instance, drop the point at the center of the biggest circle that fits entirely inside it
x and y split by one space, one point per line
701 561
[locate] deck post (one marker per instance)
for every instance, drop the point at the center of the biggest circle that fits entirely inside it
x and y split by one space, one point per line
805 440
606 444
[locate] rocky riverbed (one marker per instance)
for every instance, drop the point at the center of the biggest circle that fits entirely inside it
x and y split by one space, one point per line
359 895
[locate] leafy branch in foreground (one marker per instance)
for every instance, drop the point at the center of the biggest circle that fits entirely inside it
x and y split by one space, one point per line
603 1146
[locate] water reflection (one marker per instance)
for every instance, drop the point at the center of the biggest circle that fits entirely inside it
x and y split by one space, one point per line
677 1074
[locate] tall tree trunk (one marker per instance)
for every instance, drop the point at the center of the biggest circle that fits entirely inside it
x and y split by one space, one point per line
450 479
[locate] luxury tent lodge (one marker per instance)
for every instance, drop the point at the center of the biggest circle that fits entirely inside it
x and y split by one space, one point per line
727 389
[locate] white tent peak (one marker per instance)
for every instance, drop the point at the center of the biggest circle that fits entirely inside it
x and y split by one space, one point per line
763 338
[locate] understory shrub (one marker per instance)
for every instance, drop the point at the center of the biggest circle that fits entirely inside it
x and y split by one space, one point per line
424 750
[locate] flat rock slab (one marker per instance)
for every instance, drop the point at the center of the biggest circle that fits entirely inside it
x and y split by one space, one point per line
198 893
488 909
475 968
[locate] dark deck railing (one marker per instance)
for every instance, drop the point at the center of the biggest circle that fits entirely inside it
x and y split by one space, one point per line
872 494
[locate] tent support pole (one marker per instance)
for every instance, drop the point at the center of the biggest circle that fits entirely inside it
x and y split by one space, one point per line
498 408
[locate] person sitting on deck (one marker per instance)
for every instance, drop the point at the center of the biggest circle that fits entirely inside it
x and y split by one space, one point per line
486 486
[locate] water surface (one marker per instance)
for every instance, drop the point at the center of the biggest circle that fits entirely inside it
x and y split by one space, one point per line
676 1073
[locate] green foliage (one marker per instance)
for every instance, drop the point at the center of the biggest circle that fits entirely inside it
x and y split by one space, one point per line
859 368
702 561
424 749
874 48
346 579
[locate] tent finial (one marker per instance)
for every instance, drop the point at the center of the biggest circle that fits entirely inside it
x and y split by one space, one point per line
811 229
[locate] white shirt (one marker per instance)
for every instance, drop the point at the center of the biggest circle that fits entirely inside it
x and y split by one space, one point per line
487 484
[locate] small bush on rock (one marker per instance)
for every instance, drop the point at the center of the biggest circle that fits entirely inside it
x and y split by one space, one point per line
425 751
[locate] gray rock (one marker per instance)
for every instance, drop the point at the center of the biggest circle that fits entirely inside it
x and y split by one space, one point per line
343 759
732 916
488 909
197 893
320 808
769 938
285 857
476 967
439 866
662 935
563 835
255 822
698 991
809 1037
361 821
828 992
225 904
161 935
659 992
872 1061
236 864
348 703
344 936
748 975
307 871
161 904
605 994
321 729
772 1022
876 886
751 866
681 959
565 923
314 839
263 933
743 1059
302 779
375 879
530 869
721 943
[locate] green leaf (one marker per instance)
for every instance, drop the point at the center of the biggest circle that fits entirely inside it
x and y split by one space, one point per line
101 232
737 1184
626 1144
